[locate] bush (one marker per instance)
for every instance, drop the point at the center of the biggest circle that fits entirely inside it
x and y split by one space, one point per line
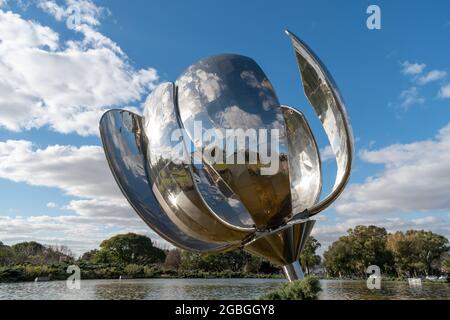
151 272
307 289
133 270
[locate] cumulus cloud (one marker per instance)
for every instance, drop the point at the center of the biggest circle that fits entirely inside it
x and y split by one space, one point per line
235 118
412 69
78 171
98 211
79 233
431 76
81 172
52 205
415 71
410 97
445 91
416 178
66 86
327 153
88 13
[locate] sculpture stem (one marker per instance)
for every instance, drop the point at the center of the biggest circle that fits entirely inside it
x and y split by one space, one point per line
293 271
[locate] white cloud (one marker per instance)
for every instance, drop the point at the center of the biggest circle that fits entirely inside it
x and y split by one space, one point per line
66 86
88 12
445 91
416 178
410 97
79 233
327 153
99 210
52 205
412 69
431 76
236 118
103 208
81 172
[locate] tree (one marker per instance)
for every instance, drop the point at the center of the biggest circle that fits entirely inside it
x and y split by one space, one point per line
36 253
309 258
362 247
338 258
214 262
89 256
446 266
6 255
130 248
369 248
236 261
28 252
415 252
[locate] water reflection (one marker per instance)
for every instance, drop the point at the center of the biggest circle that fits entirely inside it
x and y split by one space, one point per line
212 289
357 290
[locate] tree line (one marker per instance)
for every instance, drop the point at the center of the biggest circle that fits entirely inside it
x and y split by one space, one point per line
399 254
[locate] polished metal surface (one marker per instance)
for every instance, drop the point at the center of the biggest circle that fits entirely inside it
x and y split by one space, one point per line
170 169
172 176
324 95
293 271
121 133
304 161
283 245
230 92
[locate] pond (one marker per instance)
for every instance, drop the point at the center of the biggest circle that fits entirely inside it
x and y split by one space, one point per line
216 289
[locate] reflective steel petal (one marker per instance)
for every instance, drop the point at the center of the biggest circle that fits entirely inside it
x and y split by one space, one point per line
170 168
282 246
232 92
121 133
219 197
304 161
182 191
326 100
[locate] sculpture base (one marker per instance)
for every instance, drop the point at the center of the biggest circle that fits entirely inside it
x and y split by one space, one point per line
293 271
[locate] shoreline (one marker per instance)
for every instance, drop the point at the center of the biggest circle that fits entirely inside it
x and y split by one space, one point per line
212 277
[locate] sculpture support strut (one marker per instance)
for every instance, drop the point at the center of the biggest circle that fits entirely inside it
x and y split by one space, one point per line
293 271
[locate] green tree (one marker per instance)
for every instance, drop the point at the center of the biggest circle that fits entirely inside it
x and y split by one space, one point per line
214 262
129 248
6 255
446 266
236 261
353 253
89 256
415 251
309 258
28 252
338 258
36 253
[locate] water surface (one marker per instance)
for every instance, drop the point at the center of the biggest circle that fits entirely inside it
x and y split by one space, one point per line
214 289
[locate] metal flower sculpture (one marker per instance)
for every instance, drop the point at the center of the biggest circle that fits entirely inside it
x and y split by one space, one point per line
200 204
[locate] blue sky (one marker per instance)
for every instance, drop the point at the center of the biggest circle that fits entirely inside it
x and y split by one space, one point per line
395 83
